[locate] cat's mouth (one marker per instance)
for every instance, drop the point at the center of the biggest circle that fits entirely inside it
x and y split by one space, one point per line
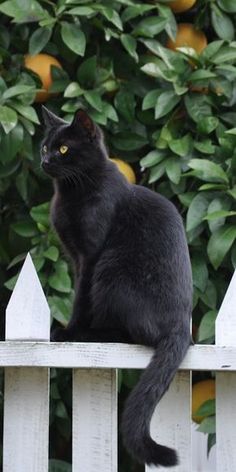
49 168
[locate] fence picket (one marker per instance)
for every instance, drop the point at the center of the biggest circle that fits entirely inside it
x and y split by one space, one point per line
226 385
94 420
26 405
171 422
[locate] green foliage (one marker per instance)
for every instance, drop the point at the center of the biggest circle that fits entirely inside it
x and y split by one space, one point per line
171 114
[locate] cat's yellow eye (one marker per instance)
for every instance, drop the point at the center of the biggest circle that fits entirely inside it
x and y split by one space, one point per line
63 149
45 148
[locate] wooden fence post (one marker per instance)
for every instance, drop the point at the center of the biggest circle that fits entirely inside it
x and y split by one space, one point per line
26 401
94 420
171 422
226 385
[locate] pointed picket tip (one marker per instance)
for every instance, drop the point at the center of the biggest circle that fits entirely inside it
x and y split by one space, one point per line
27 313
226 319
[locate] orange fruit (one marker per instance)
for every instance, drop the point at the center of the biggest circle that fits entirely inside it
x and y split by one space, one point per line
201 392
188 36
181 5
125 169
41 65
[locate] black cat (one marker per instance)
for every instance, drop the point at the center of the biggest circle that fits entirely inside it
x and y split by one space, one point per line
132 269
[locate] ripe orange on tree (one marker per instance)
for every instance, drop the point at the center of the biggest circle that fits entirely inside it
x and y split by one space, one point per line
41 65
125 169
188 36
178 6
201 392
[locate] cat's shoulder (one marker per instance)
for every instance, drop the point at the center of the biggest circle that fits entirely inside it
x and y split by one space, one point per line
146 197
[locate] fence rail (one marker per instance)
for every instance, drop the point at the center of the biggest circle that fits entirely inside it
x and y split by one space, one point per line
27 356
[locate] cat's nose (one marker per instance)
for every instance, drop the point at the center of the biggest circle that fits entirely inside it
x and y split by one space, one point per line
45 159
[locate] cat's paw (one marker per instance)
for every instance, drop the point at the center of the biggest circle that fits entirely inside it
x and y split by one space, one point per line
60 335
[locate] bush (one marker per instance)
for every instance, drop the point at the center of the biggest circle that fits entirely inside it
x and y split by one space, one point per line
171 114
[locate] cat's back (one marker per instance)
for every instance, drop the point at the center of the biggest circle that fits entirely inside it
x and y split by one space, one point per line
149 212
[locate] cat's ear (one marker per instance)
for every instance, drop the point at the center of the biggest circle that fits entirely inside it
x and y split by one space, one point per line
50 119
83 120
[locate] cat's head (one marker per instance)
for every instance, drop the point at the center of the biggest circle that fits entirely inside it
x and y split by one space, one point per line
71 149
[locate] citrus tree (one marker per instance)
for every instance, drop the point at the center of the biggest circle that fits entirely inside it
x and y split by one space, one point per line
160 79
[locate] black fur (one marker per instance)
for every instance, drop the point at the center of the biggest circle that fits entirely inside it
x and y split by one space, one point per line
132 270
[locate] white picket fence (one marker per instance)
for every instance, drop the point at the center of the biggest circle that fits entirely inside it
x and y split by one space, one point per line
27 356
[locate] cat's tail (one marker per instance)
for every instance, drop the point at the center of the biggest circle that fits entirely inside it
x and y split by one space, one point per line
141 403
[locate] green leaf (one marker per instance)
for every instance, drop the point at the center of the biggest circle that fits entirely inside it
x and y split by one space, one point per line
94 99
27 111
152 158
206 328
16 260
125 104
73 90
60 279
17 90
135 10
109 111
215 215
232 192
39 39
87 72
150 27
40 213
200 272
213 187
227 5
220 243
21 185
207 124
206 146
165 103
73 37
23 11
38 261
231 131
25 228
60 308
59 466
181 146
197 107
201 74
8 118
130 44
110 14
208 408
211 49
197 210
156 172
225 54
150 99
173 169
128 141
209 296
211 441
208 171
208 425
61 411
81 11
10 283
52 253
222 24
11 143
